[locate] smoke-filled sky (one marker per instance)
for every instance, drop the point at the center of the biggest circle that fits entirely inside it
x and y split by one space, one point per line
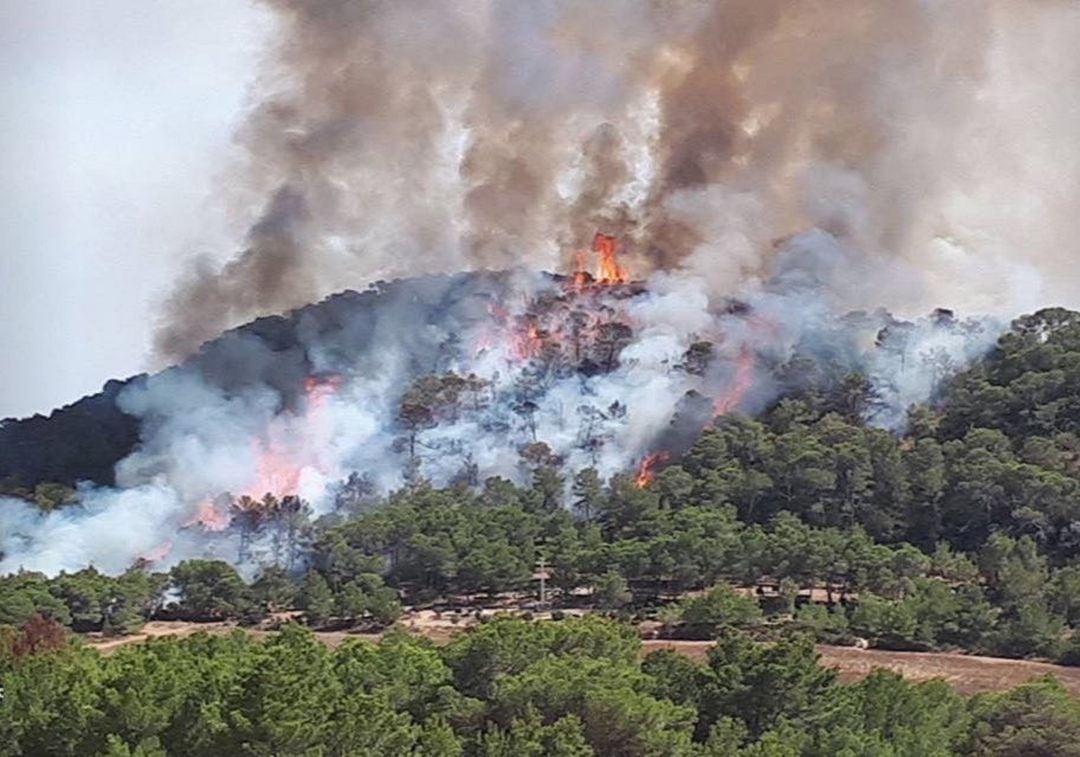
937 138
115 116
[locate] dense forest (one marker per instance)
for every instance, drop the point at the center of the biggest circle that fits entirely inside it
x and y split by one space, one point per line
509 689
959 533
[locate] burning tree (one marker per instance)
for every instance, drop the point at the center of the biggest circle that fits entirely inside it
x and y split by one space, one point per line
610 271
286 518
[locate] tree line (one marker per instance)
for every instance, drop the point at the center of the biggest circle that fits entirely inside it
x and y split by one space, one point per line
960 532
511 688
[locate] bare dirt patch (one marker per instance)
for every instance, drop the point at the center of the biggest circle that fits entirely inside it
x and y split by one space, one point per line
968 674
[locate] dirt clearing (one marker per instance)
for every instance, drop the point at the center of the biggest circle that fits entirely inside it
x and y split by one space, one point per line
968 674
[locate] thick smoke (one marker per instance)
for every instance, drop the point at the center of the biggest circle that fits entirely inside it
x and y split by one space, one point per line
781 173
456 379
936 138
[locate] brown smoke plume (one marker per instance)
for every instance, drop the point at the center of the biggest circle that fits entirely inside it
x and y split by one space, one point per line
398 138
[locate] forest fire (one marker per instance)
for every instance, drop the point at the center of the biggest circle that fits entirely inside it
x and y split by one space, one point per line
158 553
582 278
740 383
275 472
527 342
647 469
583 326
209 517
279 463
447 379
278 469
319 388
609 270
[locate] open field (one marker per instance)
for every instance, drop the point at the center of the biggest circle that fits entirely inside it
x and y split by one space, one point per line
968 674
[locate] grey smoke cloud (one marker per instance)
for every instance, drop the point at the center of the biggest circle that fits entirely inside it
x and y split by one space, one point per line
237 421
806 157
435 137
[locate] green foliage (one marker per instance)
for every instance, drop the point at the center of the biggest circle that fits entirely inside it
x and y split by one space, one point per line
528 736
209 590
83 601
610 591
273 589
316 599
511 688
1039 718
762 684
508 646
721 607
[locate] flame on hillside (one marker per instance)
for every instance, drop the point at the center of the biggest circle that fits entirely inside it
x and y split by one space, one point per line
608 269
209 517
280 462
741 383
647 468
158 553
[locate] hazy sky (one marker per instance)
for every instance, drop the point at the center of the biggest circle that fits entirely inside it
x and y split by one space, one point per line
115 120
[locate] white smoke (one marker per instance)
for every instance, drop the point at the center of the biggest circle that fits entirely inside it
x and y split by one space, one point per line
807 159
206 432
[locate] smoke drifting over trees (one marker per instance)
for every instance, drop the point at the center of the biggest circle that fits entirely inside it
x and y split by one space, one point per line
934 138
774 174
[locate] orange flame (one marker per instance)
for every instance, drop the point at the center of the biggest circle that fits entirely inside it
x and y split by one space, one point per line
609 271
209 517
319 387
527 343
158 553
582 278
275 472
647 469
743 380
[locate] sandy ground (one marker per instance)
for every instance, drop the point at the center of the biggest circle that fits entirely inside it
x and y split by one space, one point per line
968 674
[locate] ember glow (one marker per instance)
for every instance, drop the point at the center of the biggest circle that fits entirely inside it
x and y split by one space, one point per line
319 388
277 471
527 341
289 451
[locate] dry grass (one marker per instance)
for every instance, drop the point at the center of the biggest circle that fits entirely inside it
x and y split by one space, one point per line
968 674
